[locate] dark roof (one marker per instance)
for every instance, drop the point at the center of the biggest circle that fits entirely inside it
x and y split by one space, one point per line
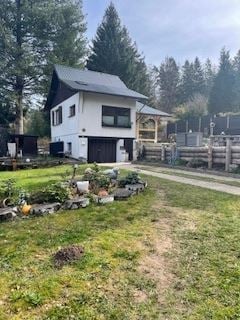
144 109
91 81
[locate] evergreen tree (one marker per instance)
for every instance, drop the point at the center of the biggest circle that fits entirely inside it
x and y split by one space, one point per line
33 35
187 87
168 82
114 52
154 87
236 70
222 94
37 123
198 77
209 74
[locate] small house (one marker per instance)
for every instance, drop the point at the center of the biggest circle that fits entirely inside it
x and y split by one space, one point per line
93 115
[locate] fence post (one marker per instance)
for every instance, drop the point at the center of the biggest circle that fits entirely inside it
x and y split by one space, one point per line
163 153
228 156
210 153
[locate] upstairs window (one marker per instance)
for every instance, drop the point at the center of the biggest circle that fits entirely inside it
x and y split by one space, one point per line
116 117
57 116
72 111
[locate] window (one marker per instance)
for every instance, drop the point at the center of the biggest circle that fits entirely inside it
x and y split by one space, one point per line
69 148
57 116
72 111
53 118
116 117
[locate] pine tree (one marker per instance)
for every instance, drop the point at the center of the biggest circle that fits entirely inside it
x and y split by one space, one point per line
168 82
114 52
222 94
198 77
33 35
209 74
154 87
236 70
187 87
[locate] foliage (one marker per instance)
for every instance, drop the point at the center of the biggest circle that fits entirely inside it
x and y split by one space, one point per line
38 123
168 84
8 188
55 192
97 180
186 86
34 35
195 107
131 178
114 52
222 94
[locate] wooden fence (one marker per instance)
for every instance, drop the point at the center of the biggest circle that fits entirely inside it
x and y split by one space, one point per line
227 155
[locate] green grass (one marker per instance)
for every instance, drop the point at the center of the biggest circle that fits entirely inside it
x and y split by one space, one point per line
204 260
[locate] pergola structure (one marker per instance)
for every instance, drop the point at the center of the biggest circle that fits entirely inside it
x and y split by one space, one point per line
151 123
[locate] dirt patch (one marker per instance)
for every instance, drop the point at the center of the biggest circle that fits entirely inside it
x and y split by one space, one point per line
67 255
140 296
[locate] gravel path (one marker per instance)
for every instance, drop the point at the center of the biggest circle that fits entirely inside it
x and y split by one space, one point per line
156 172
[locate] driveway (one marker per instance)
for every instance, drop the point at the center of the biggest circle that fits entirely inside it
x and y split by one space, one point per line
195 180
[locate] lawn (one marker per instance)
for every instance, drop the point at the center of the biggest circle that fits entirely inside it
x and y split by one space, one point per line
172 252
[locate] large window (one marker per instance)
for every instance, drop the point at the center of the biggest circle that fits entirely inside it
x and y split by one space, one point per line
116 117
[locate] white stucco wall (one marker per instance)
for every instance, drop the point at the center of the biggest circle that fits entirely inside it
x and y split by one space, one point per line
87 122
91 115
68 130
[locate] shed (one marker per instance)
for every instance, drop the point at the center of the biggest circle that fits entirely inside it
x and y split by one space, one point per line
26 145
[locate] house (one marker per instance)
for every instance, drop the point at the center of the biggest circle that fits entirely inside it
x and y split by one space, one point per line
151 124
93 115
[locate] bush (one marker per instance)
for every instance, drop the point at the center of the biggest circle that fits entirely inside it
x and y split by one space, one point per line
56 192
97 180
131 178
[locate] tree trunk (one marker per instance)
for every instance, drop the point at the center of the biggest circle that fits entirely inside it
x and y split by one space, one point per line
19 85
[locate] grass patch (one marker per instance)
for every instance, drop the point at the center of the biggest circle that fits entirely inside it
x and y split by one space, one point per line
204 260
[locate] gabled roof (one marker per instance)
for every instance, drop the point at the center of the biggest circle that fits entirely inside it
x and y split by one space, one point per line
144 109
91 81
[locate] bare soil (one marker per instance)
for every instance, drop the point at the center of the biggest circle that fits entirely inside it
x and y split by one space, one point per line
67 255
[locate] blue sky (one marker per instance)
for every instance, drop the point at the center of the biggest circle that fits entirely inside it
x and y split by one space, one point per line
178 28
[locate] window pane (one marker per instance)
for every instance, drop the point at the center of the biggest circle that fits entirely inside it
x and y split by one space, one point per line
108 120
123 121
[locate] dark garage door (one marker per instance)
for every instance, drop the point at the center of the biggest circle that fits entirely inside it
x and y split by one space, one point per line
101 150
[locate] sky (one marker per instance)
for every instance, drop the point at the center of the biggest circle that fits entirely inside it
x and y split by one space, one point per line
182 29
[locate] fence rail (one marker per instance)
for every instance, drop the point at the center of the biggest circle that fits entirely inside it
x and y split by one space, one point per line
228 155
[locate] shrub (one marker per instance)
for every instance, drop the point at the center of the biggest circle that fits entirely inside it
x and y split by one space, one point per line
97 180
56 192
131 178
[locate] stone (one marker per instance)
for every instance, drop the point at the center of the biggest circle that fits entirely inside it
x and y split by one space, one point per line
122 194
76 203
138 187
44 209
105 199
7 214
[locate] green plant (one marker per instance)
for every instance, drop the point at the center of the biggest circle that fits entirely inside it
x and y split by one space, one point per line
97 180
131 178
56 192
8 188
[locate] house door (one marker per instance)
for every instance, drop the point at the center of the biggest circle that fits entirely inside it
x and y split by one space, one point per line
101 150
